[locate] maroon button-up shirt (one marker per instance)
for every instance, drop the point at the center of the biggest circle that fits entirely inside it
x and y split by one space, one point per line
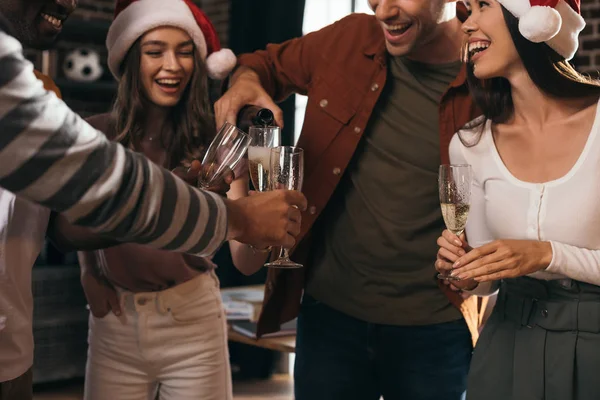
342 68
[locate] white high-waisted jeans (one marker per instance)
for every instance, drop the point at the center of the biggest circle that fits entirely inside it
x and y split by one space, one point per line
172 343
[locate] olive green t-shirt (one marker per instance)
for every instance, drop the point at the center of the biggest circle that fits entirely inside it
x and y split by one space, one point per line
375 249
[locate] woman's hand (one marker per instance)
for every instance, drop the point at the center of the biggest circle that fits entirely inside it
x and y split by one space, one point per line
101 296
502 259
190 176
451 249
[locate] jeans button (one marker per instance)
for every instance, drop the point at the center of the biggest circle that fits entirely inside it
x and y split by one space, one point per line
544 313
142 301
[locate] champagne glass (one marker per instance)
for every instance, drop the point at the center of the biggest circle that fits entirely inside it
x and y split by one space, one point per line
286 171
264 138
454 184
224 153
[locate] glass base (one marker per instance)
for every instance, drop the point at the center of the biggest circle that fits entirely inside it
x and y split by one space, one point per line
284 262
203 185
448 278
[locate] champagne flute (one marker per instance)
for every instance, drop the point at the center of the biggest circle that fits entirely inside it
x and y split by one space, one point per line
264 138
286 171
454 184
224 153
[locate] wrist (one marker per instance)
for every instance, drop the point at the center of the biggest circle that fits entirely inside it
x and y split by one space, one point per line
255 250
244 73
235 220
546 254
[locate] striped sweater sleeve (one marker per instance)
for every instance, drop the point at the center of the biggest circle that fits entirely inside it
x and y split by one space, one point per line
50 156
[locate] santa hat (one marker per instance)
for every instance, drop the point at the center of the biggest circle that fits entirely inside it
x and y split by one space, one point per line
555 22
133 18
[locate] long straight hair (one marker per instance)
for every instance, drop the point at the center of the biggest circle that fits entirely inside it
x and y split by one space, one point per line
548 70
190 121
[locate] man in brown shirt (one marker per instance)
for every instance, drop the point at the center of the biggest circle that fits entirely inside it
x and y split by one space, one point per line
385 95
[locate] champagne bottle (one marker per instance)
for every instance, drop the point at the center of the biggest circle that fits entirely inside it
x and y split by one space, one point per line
258 155
254 115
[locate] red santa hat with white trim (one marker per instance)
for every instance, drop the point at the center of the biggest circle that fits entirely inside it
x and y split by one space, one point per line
555 22
133 18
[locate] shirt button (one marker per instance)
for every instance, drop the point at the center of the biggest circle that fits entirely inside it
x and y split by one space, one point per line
374 87
357 129
312 210
323 103
337 171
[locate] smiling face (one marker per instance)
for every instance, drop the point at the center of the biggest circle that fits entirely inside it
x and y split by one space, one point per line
166 65
408 24
37 23
491 49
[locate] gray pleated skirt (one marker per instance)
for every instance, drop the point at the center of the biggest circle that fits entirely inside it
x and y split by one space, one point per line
542 342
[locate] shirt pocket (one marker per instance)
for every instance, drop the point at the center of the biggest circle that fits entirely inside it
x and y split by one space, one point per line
334 99
332 104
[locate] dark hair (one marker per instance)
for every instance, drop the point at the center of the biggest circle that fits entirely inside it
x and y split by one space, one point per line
5 26
191 121
547 69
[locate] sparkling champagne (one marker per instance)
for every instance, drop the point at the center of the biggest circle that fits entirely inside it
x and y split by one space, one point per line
455 216
258 162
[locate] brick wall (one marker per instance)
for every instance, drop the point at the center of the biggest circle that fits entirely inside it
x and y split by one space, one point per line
217 11
588 56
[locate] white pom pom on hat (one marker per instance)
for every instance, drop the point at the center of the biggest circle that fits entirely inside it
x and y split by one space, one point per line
533 30
133 18
554 22
221 63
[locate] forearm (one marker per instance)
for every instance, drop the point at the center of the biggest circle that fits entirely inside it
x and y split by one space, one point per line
257 67
245 259
89 264
286 68
50 156
68 237
575 262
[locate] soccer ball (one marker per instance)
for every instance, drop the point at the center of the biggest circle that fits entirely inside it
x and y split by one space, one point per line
83 65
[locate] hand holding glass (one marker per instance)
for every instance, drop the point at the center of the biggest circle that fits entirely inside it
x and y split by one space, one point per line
224 153
454 184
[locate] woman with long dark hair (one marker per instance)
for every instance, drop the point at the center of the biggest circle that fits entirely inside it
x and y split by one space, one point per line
157 331
534 225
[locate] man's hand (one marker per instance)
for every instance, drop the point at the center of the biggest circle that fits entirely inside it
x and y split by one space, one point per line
190 176
245 89
101 296
266 219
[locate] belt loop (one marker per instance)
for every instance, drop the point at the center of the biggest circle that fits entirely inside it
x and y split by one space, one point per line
532 307
160 303
501 303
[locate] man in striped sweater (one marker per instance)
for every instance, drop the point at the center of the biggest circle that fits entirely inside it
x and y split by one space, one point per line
51 157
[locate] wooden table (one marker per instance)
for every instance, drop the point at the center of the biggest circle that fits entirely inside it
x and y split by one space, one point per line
284 344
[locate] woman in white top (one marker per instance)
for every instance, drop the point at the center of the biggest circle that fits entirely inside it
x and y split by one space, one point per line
534 226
